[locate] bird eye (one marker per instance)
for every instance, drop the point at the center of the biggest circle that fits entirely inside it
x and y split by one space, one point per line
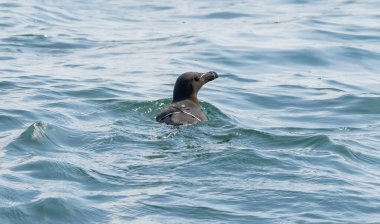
196 78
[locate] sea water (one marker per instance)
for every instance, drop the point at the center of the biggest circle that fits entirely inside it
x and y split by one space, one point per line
294 119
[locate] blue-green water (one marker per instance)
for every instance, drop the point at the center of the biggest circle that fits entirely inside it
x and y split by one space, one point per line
294 119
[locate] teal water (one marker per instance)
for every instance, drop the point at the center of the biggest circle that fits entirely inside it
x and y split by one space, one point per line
294 119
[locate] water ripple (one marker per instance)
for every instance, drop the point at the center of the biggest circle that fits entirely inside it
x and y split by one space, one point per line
43 42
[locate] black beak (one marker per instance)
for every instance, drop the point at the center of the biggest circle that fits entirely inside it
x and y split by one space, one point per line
209 76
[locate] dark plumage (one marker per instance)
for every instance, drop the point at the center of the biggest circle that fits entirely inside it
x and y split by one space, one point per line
185 108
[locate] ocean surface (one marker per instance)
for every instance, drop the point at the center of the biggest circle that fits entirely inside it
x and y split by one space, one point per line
294 118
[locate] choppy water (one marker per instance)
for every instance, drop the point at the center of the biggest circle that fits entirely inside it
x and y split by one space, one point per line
293 135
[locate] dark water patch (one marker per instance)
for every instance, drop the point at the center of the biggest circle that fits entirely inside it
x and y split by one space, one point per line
9 122
9 5
5 58
328 89
6 25
216 116
66 86
95 68
328 34
156 7
61 210
34 77
9 70
7 85
73 65
223 15
360 105
95 80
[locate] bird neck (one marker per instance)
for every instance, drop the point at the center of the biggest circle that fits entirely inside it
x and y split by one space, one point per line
193 98
183 92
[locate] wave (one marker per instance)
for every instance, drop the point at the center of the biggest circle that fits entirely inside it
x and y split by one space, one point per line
53 210
41 137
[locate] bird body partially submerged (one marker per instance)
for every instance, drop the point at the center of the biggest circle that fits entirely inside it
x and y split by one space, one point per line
185 107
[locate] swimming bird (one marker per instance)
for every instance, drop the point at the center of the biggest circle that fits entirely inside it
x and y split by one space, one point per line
185 107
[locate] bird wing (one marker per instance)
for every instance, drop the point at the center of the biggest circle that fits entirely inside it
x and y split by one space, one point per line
166 112
181 113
